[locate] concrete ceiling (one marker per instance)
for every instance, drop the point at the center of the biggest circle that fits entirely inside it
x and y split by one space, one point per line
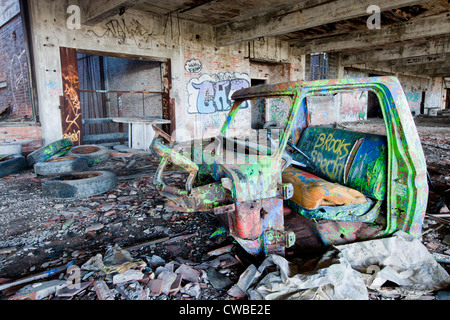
414 35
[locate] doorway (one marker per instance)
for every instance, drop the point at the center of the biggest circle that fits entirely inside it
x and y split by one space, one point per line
110 86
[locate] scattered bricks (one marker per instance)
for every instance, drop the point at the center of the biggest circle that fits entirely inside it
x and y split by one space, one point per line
176 285
192 290
109 213
106 208
120 155
188 273
156 286
236 292
132 291
220 251
39 291
8 250
432 246
94 227
218 280
102 290
72 290
129 275
168 279
446 240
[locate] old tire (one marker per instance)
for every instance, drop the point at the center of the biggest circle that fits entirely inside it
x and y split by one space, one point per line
12 164
94 154
55 149
61 165
79 185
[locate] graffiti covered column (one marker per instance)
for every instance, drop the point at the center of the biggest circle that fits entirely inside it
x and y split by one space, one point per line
71 108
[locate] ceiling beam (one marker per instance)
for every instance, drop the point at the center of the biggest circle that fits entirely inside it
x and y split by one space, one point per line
432 69
437 72
433 26
441 63
97 11
424 62
406 51
295 19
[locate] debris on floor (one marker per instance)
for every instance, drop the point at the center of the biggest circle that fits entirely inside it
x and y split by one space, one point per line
350 272
125 245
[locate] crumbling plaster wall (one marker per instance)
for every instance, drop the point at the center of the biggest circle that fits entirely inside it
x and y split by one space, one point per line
203 75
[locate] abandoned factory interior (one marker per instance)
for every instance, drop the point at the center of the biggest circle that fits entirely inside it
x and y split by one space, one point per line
184 151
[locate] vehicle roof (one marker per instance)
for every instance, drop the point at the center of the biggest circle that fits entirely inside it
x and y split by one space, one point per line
289 88
279 89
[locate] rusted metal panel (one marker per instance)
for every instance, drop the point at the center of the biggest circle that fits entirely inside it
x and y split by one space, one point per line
168 103
245 222
71 108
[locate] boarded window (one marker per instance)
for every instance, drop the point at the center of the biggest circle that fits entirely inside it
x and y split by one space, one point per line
319 66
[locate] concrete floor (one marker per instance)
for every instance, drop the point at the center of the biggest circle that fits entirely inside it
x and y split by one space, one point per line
37 234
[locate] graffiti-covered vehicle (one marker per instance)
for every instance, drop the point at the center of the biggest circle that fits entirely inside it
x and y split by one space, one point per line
293 185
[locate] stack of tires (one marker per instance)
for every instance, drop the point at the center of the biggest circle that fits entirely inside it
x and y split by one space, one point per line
68 168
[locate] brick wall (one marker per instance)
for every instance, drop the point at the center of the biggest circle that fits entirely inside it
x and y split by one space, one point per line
14 87
14 77
21 133
135 75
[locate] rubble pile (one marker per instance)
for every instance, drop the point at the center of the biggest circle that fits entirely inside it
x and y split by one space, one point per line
40 234
126 245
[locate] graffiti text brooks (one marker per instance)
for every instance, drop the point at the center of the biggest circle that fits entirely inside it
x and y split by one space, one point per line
332 166
210 94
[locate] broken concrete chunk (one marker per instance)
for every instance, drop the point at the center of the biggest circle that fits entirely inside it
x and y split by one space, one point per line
116 260
168 278
102 290
176 285
188 273
236 292
155 286
73 290
218 280
129 275
40 290
155 261
192 289
132 291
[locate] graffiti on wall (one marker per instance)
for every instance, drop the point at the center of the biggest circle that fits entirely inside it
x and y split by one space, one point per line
193 66
354 106
209 94
123 31
71 112
54 88
17 77
414 101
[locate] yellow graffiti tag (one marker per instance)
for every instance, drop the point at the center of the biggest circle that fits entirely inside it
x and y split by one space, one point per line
73 136
331 165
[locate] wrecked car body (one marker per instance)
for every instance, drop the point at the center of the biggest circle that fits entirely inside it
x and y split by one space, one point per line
290 184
